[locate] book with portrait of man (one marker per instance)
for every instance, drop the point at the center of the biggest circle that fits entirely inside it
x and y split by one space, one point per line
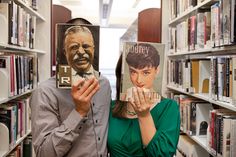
142 67
77 53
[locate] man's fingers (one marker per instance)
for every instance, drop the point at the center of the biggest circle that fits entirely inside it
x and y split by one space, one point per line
77 86
97 87
91 87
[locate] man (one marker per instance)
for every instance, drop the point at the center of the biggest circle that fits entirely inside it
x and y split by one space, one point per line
72 122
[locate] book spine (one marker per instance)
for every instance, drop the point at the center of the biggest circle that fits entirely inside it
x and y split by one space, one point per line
234 81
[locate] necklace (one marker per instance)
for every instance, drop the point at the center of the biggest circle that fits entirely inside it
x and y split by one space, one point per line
131 113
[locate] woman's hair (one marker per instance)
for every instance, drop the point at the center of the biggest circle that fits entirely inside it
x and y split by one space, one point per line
120 107
143 55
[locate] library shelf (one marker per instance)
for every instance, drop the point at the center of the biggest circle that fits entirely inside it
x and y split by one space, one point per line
15 48
191 11
205 97
5 153
30 10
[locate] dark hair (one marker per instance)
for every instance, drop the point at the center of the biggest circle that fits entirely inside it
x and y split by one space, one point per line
79 20
139 59
120 106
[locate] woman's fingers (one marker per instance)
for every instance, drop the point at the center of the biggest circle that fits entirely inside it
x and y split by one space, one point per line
136 97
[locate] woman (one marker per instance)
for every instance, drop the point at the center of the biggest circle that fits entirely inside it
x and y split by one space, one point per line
139 127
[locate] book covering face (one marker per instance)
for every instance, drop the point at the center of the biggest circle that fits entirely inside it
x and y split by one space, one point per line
142 67
77 53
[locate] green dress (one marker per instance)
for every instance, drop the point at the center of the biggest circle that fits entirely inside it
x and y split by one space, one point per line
124 136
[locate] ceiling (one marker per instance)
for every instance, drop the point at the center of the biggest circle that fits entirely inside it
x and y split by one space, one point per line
108 13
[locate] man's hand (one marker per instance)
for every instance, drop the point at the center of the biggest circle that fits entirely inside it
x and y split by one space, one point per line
82 93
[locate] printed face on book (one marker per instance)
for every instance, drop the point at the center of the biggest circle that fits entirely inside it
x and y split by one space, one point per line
143 78
79 48
143 61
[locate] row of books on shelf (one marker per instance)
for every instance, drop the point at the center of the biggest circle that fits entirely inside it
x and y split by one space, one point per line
222 132
24 149
177 7
17 74
31 3
203 119
18 26
215 76
194 114
208 28
15 120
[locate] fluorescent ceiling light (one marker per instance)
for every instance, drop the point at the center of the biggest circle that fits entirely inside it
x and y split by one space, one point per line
106 1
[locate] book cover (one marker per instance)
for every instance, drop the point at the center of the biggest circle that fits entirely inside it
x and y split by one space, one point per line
204 75
4 136
200 30
232 21
27 147
193 32
142 66
234 81
77 53
207 32
202 117
226 133
4 20
195 72
232 138
226 22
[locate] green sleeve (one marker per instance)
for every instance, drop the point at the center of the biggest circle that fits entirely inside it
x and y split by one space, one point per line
165 140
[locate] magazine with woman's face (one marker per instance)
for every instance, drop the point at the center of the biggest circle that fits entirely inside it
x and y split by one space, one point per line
142 67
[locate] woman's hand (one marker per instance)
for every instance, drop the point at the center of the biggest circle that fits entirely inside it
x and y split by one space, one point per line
82 93
142 100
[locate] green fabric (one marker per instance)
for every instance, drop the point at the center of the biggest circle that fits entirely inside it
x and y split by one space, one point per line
124 136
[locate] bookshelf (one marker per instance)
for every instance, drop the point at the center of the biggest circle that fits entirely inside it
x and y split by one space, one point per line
31 42
30 10
5 153
190 11
205 97
196 48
